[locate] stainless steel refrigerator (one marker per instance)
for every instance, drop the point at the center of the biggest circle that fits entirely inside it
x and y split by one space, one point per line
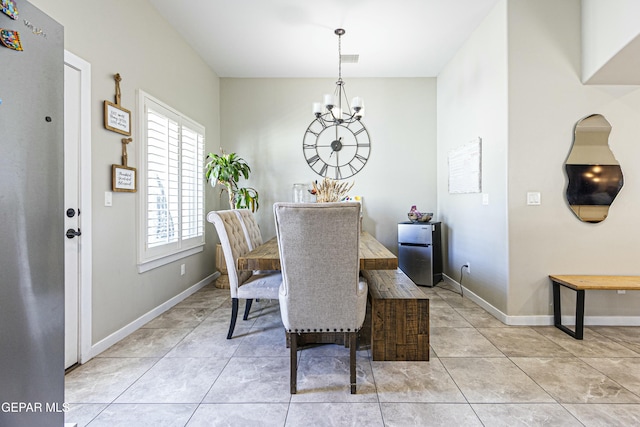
31 219
420 252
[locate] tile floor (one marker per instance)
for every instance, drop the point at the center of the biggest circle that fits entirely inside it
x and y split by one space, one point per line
180 370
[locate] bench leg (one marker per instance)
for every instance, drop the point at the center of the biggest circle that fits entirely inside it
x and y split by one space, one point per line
579 315
557 313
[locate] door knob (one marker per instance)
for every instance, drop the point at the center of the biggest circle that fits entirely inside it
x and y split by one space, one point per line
71 233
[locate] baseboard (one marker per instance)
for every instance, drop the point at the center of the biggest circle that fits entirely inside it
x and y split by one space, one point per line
118 335
541 320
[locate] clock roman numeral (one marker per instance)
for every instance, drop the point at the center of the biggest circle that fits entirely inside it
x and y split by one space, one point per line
323 171
338 173
316 134
308 146
354 170
313 160
361 158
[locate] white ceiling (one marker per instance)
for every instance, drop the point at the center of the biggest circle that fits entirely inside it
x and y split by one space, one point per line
295 38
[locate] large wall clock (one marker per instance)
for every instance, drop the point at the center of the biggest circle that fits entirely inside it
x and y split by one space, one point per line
336 150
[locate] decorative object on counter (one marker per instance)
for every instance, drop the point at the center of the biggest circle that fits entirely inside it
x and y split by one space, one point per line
337 144
9 8
330 190
300 193
416 216
116 118
594 175
10 39
226 170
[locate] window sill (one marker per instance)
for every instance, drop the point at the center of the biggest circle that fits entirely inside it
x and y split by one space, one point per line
145 266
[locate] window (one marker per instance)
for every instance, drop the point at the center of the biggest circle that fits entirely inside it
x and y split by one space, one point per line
172 184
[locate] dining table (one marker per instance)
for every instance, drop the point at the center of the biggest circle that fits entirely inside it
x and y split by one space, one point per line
373 256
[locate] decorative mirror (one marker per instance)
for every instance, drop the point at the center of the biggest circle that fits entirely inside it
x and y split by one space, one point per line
595 176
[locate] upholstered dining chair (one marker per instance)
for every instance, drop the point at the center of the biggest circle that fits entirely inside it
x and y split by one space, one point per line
321 290
251 229
242 284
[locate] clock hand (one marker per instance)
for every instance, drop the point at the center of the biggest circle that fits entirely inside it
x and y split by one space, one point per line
338 146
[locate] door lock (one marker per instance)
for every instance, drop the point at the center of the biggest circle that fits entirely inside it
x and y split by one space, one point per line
71 212
71 233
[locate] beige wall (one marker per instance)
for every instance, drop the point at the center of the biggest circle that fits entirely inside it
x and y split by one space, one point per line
264 121
131 38
472 103
539 58
546 99
610 41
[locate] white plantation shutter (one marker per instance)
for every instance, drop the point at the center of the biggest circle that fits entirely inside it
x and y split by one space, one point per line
192 183
173 154
163 177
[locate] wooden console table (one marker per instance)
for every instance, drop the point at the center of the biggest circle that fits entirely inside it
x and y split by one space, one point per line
581 284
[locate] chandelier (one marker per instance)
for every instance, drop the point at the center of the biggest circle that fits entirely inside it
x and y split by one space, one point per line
333 111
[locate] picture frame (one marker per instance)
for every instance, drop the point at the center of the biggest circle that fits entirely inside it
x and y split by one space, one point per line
117 119
123 178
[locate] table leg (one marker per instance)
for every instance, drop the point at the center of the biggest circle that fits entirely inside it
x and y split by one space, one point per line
557 314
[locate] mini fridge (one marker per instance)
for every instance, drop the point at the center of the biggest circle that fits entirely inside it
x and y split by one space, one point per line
420 252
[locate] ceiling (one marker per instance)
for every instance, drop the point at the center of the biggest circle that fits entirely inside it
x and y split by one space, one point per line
295 38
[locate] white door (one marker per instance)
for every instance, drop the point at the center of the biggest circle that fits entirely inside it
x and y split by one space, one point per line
77 215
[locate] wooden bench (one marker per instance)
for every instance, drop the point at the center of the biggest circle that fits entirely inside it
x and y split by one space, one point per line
581 284
399 317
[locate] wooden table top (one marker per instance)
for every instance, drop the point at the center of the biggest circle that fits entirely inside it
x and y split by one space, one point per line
373 256
598 282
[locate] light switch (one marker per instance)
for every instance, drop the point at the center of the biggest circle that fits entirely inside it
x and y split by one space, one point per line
533 198
108 198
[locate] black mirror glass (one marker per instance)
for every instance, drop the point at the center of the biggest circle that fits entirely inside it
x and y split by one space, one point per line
594 175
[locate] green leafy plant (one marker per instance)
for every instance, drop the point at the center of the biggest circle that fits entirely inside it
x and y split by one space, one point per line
226 170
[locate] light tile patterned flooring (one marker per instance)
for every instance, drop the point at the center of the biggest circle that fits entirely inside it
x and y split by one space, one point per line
180 370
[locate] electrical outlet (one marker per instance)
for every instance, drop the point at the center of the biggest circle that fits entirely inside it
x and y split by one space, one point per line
183 269
468 264
621 292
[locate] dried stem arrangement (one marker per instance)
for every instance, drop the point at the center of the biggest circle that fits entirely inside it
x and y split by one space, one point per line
330 190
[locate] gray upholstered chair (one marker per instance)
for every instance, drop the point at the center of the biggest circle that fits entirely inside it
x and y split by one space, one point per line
242 284
251 229
321 289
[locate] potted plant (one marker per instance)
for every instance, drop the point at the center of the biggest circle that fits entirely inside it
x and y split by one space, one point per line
226 170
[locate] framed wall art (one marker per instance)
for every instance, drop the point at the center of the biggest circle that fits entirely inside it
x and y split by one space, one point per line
123 178
116 118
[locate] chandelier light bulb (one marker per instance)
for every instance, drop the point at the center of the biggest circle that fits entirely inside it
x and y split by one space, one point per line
337 113
329 101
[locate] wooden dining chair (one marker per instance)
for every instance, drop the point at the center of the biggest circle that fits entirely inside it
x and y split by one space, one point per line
245 285
321 290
